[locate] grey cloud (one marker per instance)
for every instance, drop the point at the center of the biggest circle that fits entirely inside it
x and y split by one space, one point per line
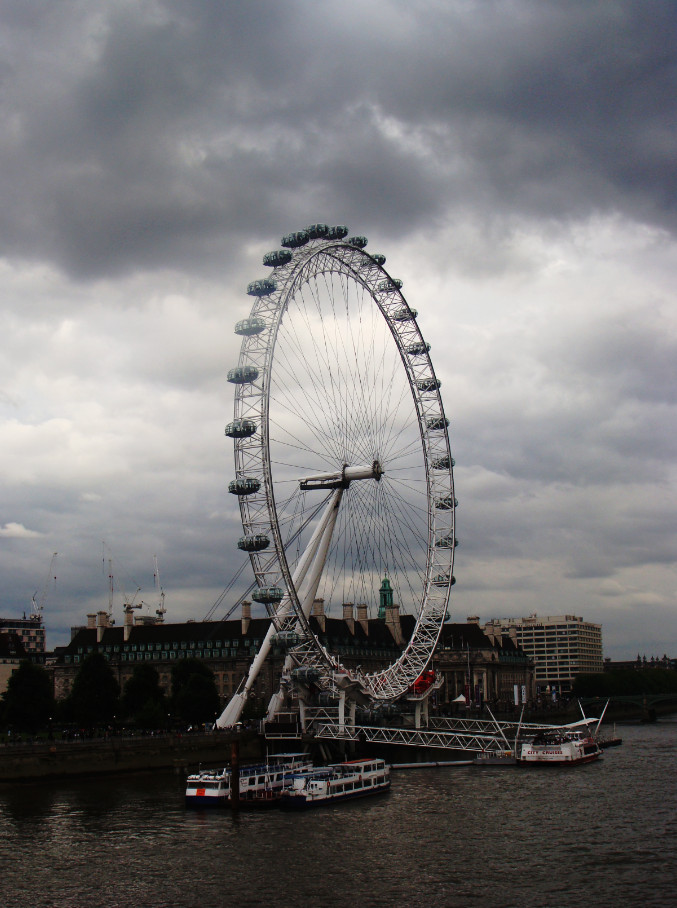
171 130
152 150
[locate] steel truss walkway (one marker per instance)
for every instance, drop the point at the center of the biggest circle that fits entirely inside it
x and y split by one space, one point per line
414 737
471 735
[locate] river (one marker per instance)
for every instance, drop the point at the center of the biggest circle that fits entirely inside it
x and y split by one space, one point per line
604 834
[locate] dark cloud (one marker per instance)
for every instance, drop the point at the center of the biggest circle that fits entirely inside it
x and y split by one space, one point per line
151 151
174 131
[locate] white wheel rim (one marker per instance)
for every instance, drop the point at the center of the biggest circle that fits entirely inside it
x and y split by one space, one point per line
368 348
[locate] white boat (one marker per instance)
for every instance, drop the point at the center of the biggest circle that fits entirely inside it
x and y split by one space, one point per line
567 745
338 782
259 783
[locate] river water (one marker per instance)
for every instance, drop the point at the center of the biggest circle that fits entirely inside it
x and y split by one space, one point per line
604 834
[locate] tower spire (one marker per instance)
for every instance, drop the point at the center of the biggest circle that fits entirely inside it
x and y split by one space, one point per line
385 594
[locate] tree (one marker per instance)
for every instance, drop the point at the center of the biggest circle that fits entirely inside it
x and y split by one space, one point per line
28 702
95 695
194 695
143 700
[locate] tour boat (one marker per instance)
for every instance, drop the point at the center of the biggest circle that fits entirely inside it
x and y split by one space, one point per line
211 787
338 782
565 745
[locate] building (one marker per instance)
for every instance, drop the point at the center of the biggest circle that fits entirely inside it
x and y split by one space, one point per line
12 653
483 667
468 661
31 632
561 647
640 663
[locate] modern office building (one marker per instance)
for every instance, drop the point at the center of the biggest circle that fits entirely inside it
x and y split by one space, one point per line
31 632
561 647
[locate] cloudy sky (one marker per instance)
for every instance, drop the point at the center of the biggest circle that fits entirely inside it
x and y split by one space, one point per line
516 163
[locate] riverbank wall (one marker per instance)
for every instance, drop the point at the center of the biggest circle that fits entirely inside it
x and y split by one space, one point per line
102 756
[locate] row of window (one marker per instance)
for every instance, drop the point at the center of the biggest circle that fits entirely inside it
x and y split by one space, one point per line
173 654
168 647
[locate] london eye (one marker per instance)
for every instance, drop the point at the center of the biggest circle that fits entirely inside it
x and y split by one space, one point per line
343 469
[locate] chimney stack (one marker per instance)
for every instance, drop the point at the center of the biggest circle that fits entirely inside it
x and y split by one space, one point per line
318 613
362 617
393 624
128 623
101 624
246 616
348 616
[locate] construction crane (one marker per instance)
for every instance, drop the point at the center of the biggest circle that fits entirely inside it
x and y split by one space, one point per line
160 611
38 601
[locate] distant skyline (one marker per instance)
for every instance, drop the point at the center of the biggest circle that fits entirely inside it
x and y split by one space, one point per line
514 162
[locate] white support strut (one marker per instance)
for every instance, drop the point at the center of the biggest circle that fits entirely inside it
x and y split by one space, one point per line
318 542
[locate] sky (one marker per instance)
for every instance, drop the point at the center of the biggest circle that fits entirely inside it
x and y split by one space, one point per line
516 163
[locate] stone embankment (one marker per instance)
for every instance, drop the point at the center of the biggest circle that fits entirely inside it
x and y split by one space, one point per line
59 759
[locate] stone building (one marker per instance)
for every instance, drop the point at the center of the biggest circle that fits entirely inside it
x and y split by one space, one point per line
483 667
468 661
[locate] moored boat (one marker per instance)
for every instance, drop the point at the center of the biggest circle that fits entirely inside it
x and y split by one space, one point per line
338 782
560 746
258 783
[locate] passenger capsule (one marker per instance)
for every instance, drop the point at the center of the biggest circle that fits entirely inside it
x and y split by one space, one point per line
447 542
405 314
286 638
240 375
337 233
256 543
277 258
268 594
379 258
443 580
241 428
248 327
359 242
262 287
389 285
293 240
437 423
443 463
428 384
446 503
248 485
418 348
317 231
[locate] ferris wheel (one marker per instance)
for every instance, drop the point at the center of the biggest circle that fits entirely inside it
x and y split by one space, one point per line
343 470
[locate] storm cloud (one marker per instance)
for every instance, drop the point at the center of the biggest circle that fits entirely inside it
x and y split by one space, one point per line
515 161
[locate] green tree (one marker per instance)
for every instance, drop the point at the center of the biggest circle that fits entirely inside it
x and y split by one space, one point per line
95 695
195 698
28 702
143 700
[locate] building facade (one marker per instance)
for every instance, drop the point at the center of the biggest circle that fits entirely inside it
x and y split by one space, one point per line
466 660
31 632
561 647
12 654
